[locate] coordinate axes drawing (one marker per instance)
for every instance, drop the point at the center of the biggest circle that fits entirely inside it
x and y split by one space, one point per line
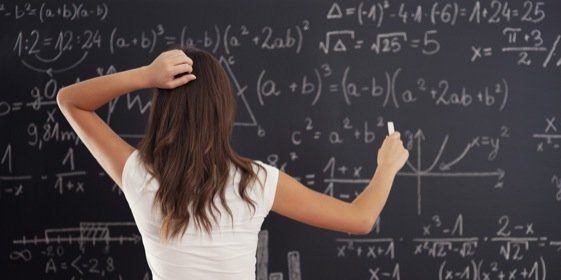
418 171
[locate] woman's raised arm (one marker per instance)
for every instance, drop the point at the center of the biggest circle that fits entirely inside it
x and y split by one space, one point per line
79 101
296 201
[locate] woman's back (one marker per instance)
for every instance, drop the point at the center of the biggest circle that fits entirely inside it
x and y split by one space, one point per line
228 253
187 148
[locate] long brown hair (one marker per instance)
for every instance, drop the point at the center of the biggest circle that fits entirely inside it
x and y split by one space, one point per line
187 148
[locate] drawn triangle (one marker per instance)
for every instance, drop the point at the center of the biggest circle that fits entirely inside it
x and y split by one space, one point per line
244 115
339 46
334 12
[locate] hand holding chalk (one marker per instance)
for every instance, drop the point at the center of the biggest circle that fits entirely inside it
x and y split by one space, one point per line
392 153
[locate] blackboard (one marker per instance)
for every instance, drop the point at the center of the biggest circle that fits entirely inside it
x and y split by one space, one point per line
473 86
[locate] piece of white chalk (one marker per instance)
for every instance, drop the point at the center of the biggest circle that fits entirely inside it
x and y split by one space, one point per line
390 128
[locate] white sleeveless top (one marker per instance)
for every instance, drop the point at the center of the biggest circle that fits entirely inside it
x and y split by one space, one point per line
229 253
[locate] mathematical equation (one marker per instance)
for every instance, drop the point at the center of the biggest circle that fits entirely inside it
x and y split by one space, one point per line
496 257
473 88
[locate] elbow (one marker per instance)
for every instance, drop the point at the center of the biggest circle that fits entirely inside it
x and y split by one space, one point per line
365 220
61 99
365 226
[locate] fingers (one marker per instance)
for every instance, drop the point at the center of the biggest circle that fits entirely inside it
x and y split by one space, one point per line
181 68
181 80
181 62
392 153
393 141
175 57
166 68
392 137
179 57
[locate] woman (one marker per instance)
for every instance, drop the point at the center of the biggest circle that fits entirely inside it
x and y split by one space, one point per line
198 205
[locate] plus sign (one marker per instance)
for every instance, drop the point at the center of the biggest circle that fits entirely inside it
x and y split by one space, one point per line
69 185
343 169
293 86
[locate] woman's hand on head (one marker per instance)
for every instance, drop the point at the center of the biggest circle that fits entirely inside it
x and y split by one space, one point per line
164 70
392 154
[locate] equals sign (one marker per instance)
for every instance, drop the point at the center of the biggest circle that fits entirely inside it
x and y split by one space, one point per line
333 87
350 11
487 51
170 40
514 12
16 106
47 41
463 12
310 179
485 140
63 265
415 43
359 44
317 134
